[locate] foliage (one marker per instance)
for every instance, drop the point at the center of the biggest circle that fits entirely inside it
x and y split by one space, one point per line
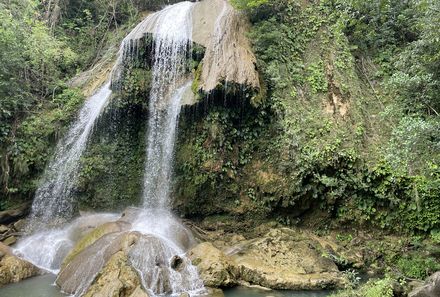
373 288
246 4
339 143
418 267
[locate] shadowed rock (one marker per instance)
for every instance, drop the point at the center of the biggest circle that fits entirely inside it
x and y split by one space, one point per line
431 288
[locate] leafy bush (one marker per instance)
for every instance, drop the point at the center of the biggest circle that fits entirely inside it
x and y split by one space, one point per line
418 267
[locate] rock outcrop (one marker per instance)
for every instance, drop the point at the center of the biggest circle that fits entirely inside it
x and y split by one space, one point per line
282 259
431 288
113 260
14 269
228 56
117 278
214 267
221 31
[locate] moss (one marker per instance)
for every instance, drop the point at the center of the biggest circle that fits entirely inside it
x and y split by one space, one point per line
88 240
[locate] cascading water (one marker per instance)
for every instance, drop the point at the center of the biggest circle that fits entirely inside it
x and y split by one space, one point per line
160 236
53 199
172 35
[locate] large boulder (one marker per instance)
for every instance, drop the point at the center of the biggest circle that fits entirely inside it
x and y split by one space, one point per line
431 288
14 269
79 273
214 267
284 259
116 263
93 236
117 279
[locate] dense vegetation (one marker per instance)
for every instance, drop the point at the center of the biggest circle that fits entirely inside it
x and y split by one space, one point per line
42 45
349 127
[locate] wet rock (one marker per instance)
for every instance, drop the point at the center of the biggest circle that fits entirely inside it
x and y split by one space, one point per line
14 269
93 236
117 278
10 240
20 225
79 273
139 292
214 267
431 288
176 263
109 266
184 294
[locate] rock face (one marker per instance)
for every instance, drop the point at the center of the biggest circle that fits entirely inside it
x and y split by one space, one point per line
282 259
228 56
431 288
215 268
14 269
221 30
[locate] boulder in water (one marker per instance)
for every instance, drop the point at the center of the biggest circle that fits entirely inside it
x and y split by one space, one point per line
93 236
214 267
14 269
116 263
117 278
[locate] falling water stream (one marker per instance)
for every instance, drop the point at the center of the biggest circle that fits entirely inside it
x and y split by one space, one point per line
53 198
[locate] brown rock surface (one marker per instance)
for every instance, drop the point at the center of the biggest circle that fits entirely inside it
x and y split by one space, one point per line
214 267
14 269
282 259
117 279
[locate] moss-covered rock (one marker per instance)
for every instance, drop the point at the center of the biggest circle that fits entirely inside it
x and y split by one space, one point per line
93 236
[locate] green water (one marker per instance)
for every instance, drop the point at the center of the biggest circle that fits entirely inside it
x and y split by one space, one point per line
40 286
43 286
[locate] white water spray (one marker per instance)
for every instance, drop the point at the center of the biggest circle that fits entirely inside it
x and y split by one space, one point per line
53 198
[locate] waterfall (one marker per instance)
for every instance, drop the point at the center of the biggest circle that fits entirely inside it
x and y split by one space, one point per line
172 38
53 198
161 235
